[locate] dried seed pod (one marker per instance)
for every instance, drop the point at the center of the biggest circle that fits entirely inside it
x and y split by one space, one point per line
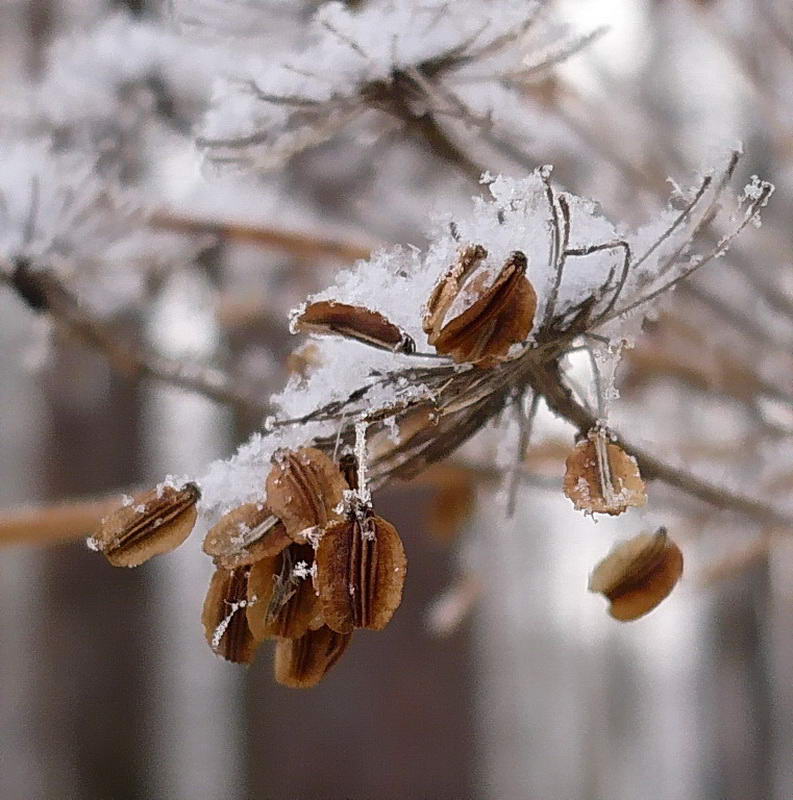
638 574
449 286
304 662
304 489
601 477
361 568
502 315
328 317
245 535
281 598
150 524
225 623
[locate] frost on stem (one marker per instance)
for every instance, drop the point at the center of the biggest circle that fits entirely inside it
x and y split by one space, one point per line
590 280
389 56
60 214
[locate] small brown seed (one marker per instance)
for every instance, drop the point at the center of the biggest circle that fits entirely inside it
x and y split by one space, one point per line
304 489
225 622
638 574
245 535
281 598
361 569
148 525
601 478
304 662
328 317
501 315
449 286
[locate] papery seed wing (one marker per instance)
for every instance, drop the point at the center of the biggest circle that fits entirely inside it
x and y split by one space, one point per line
360 574
603 486
280 603
639 599
304 489
448 287
328 317
502 316
638 574
245 535
304 662
225 622
152 524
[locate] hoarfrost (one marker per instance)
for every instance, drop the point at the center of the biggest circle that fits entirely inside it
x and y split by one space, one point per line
608 268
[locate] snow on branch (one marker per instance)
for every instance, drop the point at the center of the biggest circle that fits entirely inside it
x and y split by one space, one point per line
587 282
354 61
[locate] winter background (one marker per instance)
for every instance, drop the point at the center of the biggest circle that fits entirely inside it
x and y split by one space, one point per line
500 676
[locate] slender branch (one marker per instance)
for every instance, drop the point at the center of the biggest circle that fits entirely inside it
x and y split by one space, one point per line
57 300
298 243
54 523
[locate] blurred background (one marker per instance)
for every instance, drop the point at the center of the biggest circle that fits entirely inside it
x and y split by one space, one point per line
500 677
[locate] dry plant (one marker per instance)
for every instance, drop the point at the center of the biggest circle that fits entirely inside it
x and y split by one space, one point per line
414 351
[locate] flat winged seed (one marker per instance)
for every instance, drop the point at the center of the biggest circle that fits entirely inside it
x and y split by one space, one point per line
304 662
245 535
638 574
502 315
601 478
225 623
328 317
304 489
282 603
153 523
361 569
449 286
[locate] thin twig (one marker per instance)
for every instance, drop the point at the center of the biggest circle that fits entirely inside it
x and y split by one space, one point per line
302 244
128 359
54 523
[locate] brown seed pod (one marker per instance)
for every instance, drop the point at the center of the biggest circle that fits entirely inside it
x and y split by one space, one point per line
361 569
449 286
225 623
304 662
151 524
245 535
328 317
638 574
601 477
304 489
282 603
502 315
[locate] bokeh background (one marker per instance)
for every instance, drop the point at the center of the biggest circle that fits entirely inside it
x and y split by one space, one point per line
108 688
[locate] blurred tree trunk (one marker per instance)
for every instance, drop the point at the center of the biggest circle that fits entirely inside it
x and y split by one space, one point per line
89 665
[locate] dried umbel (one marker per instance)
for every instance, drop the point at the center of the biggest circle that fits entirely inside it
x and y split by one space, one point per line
225 622
148 525
601 478
361 569
500 315
245 535
281 598
304 489
328 317
272 584
638 574
304 662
